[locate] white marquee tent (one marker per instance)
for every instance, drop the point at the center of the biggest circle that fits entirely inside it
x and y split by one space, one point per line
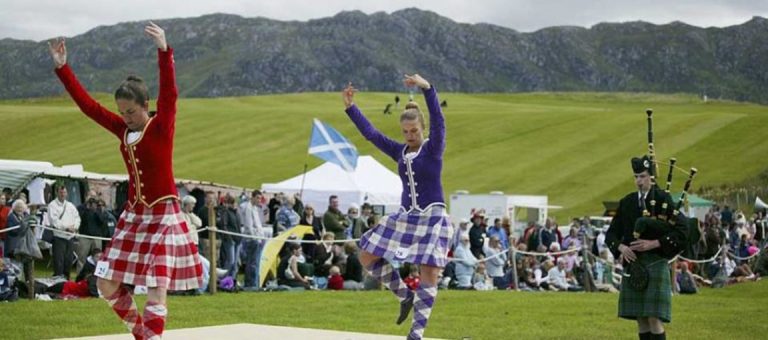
370 182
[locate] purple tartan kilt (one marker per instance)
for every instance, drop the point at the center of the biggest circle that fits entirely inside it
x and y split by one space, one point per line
412 237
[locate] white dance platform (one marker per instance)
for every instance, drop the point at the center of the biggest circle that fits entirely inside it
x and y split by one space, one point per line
252 331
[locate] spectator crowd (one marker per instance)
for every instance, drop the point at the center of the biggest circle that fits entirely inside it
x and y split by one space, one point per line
486 254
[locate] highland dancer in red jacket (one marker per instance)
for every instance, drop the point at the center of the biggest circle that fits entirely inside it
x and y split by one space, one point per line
150 246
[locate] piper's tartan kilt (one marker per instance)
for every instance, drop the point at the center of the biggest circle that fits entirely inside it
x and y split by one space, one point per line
656 300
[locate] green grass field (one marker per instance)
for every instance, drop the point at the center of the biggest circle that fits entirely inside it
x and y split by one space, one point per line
574 147
734 312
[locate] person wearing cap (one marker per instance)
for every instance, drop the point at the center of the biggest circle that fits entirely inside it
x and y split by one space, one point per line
477 235
650 306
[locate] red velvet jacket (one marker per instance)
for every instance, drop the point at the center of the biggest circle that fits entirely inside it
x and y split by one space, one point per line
149 160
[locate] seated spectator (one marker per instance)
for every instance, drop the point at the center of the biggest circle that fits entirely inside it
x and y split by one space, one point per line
85 282
465 263
481 280
539 274
525 273
8 292
497 257
335 281
743 248
413 279
684 280
572 260
557 278
742 273
353 270
323 259
288 271
309 219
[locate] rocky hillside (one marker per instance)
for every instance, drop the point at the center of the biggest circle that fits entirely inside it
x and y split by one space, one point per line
228 55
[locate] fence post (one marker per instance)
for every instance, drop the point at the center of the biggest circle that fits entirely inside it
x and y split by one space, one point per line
214 276
587 279
31 279
515 279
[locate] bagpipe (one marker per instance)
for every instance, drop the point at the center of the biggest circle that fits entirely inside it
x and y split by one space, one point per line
655 222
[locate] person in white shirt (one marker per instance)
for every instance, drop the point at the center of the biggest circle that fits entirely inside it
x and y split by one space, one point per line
251 216
465 263
556 275
194 223
64 217
558 279
496 258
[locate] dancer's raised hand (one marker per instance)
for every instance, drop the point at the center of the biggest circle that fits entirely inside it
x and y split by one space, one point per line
58 52
416 80
157 34
348 95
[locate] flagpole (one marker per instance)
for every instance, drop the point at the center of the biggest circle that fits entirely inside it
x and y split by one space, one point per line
304 174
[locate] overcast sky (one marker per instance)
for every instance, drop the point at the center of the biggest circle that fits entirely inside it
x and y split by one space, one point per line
42 19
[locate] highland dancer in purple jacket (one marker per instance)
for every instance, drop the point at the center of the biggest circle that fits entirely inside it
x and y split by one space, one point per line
420 232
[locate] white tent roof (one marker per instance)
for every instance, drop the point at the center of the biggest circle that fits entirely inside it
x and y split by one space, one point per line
370 179
15 174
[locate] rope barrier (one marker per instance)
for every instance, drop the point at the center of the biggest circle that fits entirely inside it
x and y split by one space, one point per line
731 254
9 229
485 259
549 253
220 231
76 234
711 259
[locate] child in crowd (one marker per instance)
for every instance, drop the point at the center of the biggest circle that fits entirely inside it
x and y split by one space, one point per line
413 279
335 280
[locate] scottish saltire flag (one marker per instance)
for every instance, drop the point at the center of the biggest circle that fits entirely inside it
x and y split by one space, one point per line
329 145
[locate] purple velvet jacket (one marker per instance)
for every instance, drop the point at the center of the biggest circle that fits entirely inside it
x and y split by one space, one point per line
420 175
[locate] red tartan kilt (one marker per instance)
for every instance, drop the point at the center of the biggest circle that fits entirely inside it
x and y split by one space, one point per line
151 247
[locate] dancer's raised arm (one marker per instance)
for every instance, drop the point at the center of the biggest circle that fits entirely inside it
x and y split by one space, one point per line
87 104
384 143
436 142
166 99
